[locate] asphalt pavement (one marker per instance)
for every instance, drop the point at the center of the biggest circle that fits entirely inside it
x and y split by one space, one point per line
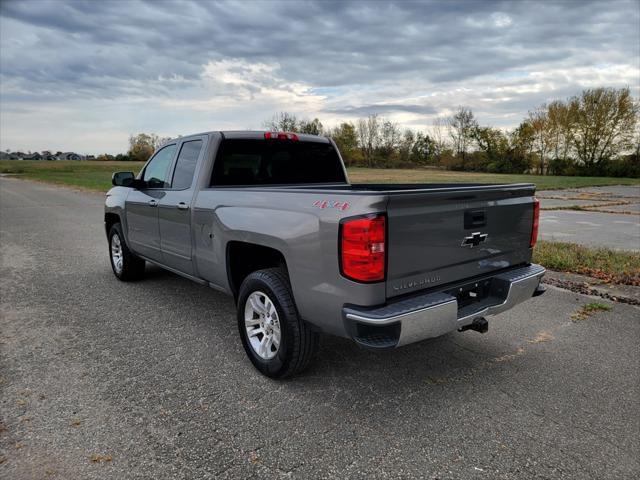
610 216
102 379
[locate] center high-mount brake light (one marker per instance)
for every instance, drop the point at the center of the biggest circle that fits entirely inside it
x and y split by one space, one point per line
281 136
536 223
363 248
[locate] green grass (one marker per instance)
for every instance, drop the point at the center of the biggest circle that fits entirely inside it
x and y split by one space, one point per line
608 265
97 175
89 175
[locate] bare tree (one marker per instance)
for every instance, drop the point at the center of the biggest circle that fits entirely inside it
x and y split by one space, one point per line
542 135
389 138
439 134
282 122
559 118
369 137
461 126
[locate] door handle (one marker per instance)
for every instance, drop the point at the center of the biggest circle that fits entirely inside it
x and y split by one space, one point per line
153 203
183 206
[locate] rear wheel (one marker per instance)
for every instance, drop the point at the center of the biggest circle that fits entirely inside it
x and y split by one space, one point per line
126 266
277 341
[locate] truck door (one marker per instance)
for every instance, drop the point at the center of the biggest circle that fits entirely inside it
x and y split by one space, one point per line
143 233
174 209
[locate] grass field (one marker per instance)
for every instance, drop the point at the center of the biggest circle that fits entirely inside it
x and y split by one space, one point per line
608 265
543 182
89 175
97 175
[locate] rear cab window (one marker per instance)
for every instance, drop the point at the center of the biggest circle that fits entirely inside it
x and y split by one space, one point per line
276 162
186 164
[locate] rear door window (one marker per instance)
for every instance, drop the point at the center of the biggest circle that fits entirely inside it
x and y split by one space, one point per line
186 164
276 162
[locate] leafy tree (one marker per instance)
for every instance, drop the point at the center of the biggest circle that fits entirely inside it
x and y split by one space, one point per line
347 141
521 145
603 121
494 145
405 146
141 147
425 151
312 127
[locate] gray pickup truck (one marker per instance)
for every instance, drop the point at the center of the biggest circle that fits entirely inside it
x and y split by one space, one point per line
270 218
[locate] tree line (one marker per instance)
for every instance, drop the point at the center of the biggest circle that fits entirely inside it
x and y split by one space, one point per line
595 133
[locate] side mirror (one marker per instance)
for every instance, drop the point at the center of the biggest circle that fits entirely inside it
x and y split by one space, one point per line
123 179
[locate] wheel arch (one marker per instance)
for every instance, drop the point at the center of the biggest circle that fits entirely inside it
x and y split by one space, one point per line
110 219
243 258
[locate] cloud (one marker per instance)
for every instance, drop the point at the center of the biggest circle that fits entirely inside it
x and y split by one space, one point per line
69 69
382 108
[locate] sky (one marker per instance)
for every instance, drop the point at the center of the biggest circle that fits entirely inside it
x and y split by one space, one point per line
84 75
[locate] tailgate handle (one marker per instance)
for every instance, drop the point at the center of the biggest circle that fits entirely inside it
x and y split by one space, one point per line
475 218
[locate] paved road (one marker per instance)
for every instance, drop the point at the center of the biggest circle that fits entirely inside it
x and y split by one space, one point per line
101 379
593 229
601 227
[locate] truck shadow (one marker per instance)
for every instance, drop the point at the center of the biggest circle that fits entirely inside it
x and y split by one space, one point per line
343 373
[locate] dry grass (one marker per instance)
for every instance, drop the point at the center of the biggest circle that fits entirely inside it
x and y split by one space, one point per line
590 309
543 336
96 458
611 266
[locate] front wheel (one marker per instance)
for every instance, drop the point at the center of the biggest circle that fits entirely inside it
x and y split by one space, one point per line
277 341
126 266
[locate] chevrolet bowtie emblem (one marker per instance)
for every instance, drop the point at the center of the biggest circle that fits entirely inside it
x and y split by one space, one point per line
474 239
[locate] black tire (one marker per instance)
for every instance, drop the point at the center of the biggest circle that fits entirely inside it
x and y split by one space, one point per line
132 266
298 342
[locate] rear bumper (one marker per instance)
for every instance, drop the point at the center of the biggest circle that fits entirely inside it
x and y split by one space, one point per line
433 314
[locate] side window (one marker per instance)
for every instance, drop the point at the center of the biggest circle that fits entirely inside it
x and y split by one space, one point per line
186 164
157 172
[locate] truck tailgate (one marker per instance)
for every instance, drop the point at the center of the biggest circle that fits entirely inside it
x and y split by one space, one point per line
447 235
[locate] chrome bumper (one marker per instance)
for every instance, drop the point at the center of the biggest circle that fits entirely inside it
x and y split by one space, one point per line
434 314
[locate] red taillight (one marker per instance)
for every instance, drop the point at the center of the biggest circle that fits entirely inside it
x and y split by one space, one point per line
362 244
281 136
536 222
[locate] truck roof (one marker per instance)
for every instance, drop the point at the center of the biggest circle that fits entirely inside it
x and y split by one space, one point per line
253 135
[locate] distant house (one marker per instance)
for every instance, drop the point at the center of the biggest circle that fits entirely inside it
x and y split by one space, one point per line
47 155
71 156
32 156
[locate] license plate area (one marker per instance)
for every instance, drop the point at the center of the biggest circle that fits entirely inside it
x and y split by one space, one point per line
471 293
